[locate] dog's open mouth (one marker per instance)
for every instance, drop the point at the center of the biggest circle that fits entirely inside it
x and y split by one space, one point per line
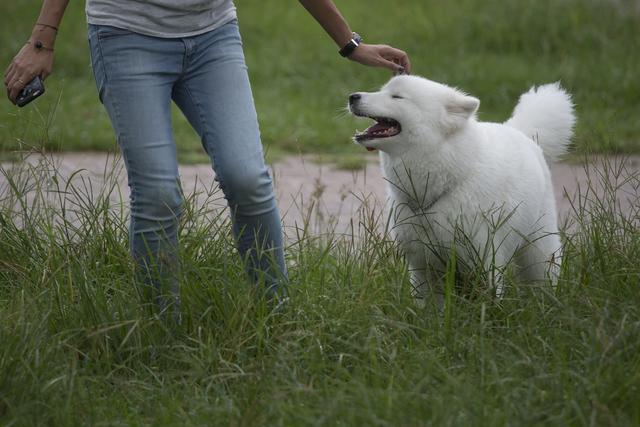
383 128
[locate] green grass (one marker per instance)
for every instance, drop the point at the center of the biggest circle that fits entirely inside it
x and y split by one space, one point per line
79 347
494 50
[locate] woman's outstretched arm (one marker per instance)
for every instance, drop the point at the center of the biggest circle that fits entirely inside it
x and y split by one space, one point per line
329 17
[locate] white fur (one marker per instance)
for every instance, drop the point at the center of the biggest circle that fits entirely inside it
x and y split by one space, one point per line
545 114
483 189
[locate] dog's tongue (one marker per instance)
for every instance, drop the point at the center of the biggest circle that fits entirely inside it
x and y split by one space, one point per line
379 129
383 128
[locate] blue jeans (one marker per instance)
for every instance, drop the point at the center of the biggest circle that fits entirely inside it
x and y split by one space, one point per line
137 77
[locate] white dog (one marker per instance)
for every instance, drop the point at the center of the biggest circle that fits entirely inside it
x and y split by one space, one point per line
481 189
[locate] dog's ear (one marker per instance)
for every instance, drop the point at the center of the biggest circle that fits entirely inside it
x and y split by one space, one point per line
459 108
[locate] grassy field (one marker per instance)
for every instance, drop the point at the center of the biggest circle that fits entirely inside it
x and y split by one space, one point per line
79 347
494 50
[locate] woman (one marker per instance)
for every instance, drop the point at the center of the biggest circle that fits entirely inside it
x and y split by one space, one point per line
145 54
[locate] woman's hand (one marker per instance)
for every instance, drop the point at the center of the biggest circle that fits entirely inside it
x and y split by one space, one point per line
27 64
32 60
378 55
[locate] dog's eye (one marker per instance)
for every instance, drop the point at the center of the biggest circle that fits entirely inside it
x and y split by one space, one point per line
397 97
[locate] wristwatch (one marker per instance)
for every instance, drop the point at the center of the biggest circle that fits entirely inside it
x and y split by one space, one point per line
351 46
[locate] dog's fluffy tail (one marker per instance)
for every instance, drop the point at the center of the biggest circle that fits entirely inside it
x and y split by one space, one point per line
545 114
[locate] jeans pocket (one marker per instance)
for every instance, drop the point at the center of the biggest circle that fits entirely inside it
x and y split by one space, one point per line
105 32
97 63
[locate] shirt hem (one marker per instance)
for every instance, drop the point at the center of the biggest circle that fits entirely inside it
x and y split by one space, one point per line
228 17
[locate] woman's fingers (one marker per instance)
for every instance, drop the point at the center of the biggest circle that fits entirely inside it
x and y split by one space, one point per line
15 81
398 56
382 56
9 74
25 66
393 66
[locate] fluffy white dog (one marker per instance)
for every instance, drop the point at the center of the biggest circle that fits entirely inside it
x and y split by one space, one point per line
481 189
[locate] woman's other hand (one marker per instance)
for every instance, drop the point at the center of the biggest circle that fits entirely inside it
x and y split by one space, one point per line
27 64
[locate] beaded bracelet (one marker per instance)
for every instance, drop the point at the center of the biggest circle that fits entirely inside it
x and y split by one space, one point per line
40 46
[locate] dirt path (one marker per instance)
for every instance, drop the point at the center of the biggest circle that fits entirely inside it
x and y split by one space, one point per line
340 194
324 197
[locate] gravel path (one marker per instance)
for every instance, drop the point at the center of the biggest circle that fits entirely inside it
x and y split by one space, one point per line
323 197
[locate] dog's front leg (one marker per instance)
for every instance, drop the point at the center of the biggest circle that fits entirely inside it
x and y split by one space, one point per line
494 269
424 288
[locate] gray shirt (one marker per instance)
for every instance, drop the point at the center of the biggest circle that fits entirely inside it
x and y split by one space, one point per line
161 18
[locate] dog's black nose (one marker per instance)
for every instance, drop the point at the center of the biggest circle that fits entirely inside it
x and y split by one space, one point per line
354 97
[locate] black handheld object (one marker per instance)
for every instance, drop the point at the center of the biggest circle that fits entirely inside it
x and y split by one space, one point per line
31 91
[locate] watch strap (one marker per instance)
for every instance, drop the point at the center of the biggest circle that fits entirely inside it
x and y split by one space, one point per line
351 45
